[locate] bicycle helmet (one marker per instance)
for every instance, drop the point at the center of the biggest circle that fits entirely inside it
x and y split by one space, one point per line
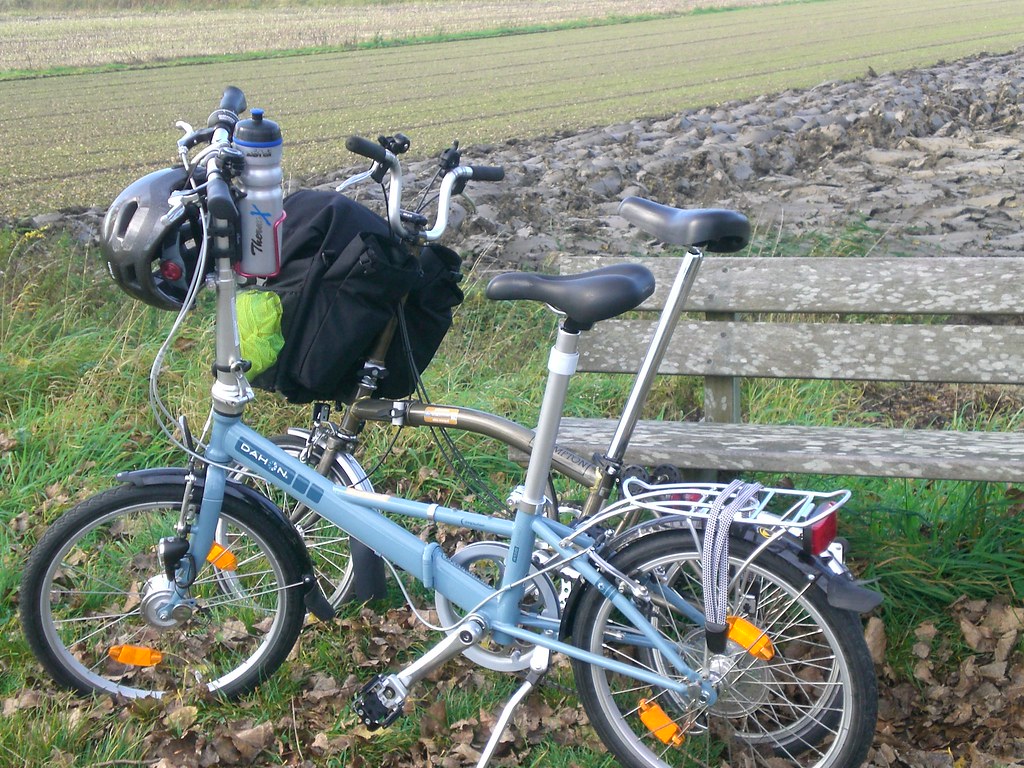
150 259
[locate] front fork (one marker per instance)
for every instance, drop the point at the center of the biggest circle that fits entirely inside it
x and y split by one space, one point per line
183 554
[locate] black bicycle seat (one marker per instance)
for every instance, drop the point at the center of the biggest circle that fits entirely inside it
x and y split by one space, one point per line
585 298
713 229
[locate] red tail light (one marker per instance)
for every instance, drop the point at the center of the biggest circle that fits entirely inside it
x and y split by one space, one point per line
818 536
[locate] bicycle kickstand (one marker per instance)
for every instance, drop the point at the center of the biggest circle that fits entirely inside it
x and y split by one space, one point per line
539 662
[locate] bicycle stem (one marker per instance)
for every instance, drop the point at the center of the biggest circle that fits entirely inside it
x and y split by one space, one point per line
231 390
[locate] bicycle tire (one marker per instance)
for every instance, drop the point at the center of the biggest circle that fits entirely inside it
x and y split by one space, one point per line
91 589
813 703
329 547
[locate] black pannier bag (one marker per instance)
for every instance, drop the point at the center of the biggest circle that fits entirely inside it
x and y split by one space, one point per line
342 279
428 316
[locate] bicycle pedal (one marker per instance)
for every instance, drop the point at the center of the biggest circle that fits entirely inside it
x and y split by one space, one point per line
379 703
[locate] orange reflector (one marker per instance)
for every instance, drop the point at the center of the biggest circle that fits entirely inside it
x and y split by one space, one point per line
660 724
754 640
222 558
135 655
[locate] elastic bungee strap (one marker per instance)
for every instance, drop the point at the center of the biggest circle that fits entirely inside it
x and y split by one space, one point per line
715 559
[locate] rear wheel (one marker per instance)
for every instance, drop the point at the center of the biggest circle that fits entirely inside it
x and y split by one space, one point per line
94 594
806 697
329 546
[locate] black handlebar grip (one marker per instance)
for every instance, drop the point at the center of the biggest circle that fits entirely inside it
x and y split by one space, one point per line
233 100
366 148
219 200
487 172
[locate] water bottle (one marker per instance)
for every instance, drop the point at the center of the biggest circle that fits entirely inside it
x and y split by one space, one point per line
261 209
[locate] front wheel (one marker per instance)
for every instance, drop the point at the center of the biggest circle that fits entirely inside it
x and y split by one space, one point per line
94 588
806 697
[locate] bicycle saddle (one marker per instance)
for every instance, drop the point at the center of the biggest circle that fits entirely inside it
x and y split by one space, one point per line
585 298
712 229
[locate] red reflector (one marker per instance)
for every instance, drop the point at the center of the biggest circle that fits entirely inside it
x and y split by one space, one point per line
170 270
819 535
691 497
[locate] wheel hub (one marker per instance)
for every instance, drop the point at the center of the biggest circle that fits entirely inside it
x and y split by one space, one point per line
155 607
740 678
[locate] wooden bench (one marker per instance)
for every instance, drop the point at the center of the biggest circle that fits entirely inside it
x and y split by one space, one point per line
869 319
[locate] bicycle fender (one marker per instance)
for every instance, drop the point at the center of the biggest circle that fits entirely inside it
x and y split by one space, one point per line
571 605
316 602
841 589
370 577
847 594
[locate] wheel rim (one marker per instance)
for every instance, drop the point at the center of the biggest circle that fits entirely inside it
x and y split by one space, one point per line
768 712
93 601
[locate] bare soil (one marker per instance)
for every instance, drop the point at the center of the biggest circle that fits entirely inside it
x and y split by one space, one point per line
44 40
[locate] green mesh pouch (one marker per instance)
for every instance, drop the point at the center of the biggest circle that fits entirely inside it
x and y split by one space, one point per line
259 328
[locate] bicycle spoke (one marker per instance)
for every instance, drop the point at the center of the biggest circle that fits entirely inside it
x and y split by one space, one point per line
788 706
223 632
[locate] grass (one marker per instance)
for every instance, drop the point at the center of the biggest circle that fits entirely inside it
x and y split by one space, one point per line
481 91
71 41
74 413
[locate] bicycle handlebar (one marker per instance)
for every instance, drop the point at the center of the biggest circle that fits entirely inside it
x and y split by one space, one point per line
233 100
220 201
487 172
225 117
368 149
453 183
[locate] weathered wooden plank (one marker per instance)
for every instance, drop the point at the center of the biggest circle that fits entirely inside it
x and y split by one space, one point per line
723 395
718 349
933 454
891 285
936 353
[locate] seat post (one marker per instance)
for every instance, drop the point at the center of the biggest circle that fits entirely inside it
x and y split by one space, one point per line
655 354
561 366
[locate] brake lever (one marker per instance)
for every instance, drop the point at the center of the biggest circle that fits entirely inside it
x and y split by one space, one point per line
351 181
193 137
179 204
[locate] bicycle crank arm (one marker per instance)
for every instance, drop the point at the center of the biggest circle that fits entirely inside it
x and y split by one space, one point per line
380 701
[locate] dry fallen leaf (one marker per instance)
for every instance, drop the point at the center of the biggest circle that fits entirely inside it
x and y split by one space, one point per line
252 741
874 636
182 718
7 443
